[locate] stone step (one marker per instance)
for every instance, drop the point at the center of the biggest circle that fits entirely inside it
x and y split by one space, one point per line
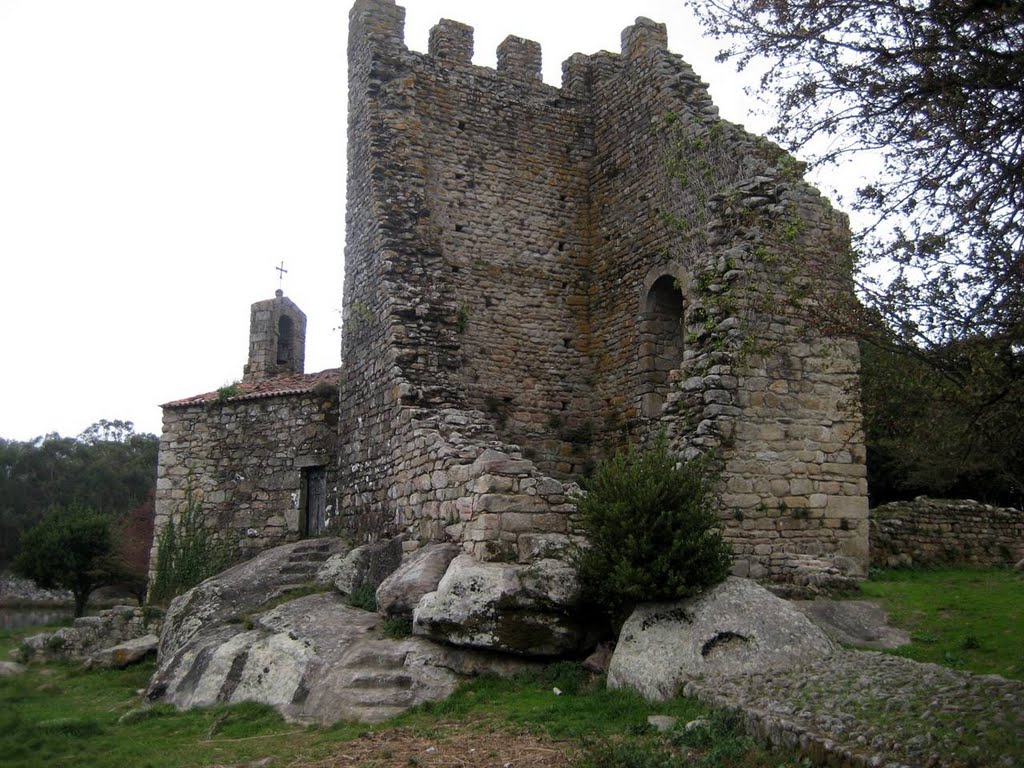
306 569
311 556
314 545
376 658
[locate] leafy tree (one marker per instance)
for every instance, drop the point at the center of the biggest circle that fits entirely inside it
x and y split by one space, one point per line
69 549
652 531
937 89
928 433
133 541
108 468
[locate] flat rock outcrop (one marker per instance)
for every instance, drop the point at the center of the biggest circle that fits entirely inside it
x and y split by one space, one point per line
859 623
314 658
735 628
230 595
11 668
524 609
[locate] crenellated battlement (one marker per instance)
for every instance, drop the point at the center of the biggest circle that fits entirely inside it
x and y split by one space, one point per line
451 44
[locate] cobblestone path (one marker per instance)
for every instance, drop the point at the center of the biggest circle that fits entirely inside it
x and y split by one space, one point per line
861 708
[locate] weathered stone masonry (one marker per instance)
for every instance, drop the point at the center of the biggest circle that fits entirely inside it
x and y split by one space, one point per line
932 532
537 275
259 456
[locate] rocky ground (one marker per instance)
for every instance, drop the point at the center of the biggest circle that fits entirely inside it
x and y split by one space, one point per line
870 709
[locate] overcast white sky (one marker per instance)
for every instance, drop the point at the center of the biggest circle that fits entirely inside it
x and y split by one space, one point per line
159 158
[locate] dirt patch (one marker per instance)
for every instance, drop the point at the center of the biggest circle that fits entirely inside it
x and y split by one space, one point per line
447 745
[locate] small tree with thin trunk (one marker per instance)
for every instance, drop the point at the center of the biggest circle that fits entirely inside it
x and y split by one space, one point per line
69 549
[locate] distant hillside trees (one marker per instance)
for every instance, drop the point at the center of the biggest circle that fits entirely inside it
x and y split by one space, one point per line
108 469
946 422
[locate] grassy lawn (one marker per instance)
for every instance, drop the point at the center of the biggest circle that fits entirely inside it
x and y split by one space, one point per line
968 619
57 716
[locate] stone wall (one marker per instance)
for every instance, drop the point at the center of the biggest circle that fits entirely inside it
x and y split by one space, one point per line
244 456
88 634
927 532
550 273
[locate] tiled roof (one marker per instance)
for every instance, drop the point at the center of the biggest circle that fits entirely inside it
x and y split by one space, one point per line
275 386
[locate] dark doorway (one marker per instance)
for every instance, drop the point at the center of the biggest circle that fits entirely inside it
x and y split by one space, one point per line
316 500
661 340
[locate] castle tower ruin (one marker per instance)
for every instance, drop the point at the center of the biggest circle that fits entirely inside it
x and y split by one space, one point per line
538 276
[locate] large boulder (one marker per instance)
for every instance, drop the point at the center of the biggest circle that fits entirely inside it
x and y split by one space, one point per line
315 659
524 609
418 574
368 565
231 595
124 654
735 628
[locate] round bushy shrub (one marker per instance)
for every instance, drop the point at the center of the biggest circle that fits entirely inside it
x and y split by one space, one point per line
652 531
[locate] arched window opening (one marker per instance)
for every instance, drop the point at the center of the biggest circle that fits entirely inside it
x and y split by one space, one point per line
661 341
285 341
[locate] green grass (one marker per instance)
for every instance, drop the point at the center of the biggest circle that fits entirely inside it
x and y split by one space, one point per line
58 715
967 619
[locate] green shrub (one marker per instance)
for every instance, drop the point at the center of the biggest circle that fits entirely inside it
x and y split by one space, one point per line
652 530
187 553
397 627
364 597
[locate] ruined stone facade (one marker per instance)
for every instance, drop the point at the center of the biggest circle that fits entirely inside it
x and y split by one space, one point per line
550 273
536 277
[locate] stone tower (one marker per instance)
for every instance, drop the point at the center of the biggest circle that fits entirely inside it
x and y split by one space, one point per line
277 338
537 276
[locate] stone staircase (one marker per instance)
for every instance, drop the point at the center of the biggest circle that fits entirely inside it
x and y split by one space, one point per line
376 682
305 559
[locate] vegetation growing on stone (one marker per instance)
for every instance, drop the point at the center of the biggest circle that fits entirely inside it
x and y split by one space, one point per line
652 530
365 597
186 554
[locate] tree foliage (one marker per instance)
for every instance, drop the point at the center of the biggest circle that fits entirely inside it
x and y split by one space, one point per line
108 468
69 549
652 531
936 88
133 541
928 433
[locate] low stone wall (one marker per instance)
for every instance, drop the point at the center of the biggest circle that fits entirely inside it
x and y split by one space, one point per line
89 634
936 532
